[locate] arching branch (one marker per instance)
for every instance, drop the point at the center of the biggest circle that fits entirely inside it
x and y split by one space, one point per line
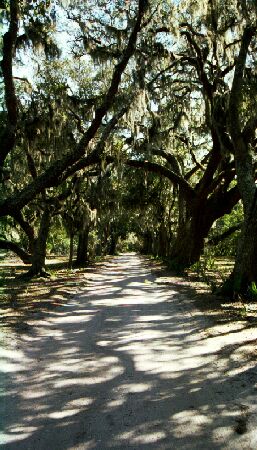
185 188
170 158
221 237
15 248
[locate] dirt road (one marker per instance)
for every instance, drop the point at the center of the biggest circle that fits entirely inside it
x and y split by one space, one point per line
126 364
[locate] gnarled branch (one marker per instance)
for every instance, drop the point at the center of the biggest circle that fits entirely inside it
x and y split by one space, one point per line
15 248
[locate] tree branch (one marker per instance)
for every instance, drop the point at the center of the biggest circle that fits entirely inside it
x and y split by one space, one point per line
199 64
171 159
186 190
236 90
94 156
223 202
220 237
15 248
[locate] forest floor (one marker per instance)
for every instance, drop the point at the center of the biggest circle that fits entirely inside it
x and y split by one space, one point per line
123 355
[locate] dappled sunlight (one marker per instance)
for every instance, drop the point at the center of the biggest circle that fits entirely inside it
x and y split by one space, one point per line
123 365
142 436
13 360
17 434
156 318
64 413
96 378
190 421
73 319
135 387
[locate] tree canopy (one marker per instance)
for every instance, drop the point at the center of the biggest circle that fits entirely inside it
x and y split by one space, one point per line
130 117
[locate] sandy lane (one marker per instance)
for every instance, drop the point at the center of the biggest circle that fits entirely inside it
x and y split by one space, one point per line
125 365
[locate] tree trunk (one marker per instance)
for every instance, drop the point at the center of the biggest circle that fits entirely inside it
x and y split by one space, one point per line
189 243
113 243
199 218
104 240
162 249
82 250
8 136
71 250
245 270
244 275
147 243
39 255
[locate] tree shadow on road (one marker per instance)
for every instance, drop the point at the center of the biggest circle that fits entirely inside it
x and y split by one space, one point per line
123 366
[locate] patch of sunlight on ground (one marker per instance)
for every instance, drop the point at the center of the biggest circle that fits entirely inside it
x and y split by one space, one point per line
130 297
35 394
190 421
72 319
80 402
14 436
156 318
64 413
113 404
139 436
102 374
135 387
13 360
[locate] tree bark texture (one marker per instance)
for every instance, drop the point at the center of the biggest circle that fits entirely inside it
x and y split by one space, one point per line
113 243
8 136
82 250
71 250
39 255
189 242
245 269
147 247
199 218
